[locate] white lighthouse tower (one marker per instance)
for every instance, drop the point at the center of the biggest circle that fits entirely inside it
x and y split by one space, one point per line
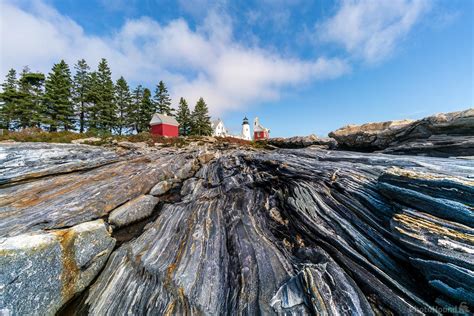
246 129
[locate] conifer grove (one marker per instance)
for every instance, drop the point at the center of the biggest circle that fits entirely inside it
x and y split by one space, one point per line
84 100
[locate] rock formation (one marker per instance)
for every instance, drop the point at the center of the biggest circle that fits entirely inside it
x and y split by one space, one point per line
303 141
442 135
206 230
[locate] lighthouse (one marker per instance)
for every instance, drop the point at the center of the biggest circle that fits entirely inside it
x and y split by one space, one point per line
246 129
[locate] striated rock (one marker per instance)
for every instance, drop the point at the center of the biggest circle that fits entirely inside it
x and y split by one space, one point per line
289 231
69 199
42 271
442 135
303 141
133 211
322 289
20 161
370 136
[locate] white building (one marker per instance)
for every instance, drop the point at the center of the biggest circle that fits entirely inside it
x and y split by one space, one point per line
218 128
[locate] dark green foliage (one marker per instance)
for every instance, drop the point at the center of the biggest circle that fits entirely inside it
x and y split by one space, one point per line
101 108
92 98
28 110
162 100
58 106
146 111
8 99
133 112
123 100
201 121
81 83
106 107
141 109
183 116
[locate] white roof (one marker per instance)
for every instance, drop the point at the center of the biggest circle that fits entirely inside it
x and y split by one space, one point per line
163 119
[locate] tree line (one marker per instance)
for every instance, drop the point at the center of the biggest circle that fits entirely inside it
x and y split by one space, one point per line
90 101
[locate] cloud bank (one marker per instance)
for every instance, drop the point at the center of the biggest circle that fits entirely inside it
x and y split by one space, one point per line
206 61
371 29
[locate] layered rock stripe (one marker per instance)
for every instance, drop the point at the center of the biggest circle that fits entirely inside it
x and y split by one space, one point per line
441 135
288 231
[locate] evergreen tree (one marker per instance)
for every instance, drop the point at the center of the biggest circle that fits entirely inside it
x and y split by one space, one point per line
162 100
146 110
81 83
58 106
201 121
29 108
105 105
123 101
8 99
183 116
92 99
134 109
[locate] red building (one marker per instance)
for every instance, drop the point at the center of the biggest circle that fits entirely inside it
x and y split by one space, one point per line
260 132
164 125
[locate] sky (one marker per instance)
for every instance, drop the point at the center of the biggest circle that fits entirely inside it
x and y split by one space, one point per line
301 66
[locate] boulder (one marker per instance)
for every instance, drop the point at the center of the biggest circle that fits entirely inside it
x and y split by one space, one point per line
133 211
133 146
442 135
42 271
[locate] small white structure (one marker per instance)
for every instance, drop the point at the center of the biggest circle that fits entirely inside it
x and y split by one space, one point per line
218 128
246 130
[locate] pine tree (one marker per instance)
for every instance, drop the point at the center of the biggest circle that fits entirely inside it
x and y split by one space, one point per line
106 106
8 99
123 101
183 116
134 109
58 106
81 83
162 100
201 121
92 99
147 110
29 107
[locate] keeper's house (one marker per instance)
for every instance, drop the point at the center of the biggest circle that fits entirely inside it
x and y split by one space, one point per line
163 125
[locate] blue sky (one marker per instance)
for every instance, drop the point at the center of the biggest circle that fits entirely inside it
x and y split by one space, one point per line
301 66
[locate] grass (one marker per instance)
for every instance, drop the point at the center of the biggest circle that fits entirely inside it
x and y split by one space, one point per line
39 135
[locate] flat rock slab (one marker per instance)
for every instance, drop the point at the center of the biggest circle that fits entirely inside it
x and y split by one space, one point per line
20 161
42 271
73 198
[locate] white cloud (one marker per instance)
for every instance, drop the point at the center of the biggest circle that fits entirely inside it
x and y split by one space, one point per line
371 29
204 62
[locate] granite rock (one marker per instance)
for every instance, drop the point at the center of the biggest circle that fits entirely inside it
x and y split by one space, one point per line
303 141
42 271
441 135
